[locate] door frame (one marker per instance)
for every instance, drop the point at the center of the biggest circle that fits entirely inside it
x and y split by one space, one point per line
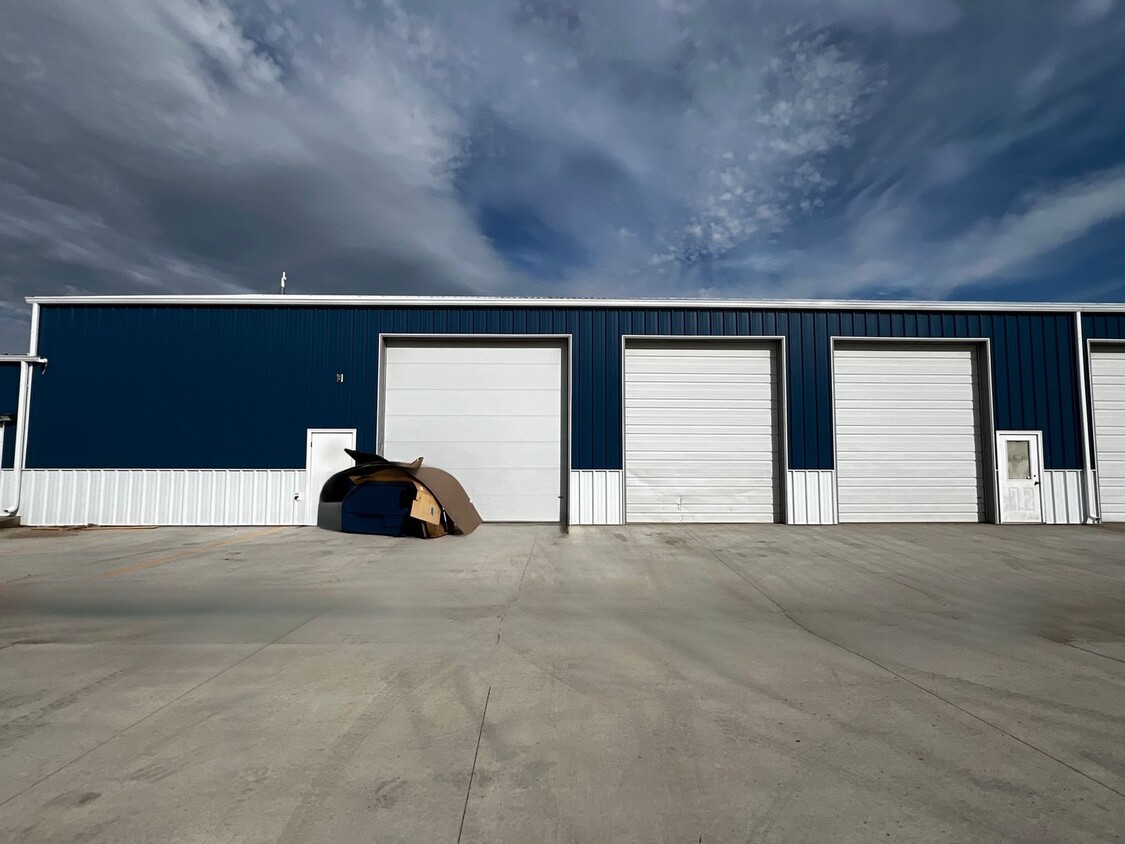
982 349
312 497
1094 345
775 341
1019 435
563 341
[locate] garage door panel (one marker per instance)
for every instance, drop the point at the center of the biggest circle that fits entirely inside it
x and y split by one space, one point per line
936 495
701 358
476 353
730 508
734 516
511 481
908 434
523 507
652 444
701 435
693 420
489 414
939 370
468 454
909 473
731 425
955 429
1107 388
704 474
475 428
484 402
908 516
655 371
922 402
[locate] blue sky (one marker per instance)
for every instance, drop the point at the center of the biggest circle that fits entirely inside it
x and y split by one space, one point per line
775 148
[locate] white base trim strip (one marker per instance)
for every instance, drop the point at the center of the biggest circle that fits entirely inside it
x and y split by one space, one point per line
595 497
1063 500
812 497
54 497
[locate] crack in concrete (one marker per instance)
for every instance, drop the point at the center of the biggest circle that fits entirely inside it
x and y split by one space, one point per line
162 707
1093 653
519 589
893 673
473 770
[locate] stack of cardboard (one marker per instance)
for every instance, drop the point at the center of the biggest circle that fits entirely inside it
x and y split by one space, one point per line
440 504
425 508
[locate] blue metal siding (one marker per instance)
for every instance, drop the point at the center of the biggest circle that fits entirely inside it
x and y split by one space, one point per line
236 387
1104 326
161 387
9 401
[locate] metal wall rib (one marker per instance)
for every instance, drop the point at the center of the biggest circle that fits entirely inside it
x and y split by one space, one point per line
143 386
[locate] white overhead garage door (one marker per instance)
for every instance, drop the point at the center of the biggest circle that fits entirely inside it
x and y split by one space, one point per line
701 433
1107 387
908 433
490 413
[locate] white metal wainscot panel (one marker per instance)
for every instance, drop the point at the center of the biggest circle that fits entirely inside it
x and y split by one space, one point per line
701 432
1107 387
1063 499
489 412
162 496
908 433
595 496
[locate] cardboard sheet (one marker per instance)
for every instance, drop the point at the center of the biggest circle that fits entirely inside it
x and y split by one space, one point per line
442 489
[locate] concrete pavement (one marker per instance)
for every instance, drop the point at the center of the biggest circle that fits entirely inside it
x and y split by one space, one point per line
764 683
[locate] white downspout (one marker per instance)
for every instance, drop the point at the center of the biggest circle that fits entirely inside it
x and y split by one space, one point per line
23 410
1093 510
21 433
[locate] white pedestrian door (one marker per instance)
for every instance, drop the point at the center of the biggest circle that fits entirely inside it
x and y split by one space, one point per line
324 457
1021 494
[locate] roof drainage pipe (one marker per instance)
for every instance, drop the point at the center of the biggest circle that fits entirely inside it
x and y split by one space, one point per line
23 410
19 458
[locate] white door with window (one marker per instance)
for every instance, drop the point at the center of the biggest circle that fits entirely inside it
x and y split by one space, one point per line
1020 464
324 457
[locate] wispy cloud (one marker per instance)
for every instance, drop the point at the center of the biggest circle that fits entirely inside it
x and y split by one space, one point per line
1045 222
796 147
1089 11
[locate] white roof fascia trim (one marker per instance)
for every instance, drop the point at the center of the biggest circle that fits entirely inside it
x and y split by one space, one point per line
524 302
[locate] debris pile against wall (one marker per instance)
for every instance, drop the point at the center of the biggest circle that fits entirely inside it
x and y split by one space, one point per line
379 497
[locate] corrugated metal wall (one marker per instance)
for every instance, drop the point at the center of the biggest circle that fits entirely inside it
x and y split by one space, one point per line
236 387
158 497
1104 326
9 400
